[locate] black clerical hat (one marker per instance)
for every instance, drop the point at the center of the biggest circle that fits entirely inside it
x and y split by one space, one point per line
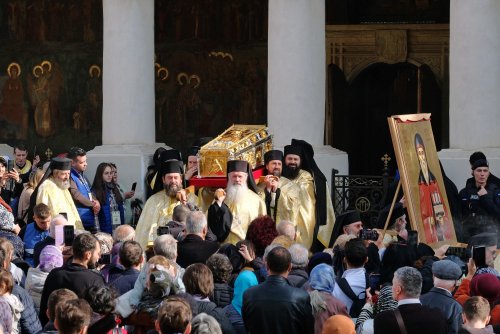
293 149
193 150
397 211
61 163
479 163
171 166
273 155
237 166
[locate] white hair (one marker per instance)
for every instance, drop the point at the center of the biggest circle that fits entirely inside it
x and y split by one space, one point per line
286 228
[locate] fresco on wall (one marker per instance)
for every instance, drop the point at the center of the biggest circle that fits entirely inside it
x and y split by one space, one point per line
211 67
211 70
50 76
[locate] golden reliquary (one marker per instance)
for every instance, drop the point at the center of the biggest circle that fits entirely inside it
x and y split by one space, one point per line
239 142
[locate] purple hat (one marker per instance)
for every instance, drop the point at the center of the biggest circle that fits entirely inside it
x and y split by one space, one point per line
50 258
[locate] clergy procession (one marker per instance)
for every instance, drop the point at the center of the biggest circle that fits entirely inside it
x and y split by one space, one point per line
234 243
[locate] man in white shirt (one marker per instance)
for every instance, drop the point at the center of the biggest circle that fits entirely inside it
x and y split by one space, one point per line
356 255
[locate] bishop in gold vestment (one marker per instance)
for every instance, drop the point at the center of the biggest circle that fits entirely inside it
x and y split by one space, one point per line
234 210
159 207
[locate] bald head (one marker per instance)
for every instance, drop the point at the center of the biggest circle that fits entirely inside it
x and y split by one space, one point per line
123 233
57 220
286 228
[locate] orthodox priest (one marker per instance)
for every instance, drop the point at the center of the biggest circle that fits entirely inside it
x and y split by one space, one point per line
315 218
280 195
53 190
234 209
159 207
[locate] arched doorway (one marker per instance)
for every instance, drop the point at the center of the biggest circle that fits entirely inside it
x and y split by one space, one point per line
379 91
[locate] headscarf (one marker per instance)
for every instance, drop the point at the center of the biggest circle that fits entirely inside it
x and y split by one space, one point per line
50 258
338 324
322 278
245 280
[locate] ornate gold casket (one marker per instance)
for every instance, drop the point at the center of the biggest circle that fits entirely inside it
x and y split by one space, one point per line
239 142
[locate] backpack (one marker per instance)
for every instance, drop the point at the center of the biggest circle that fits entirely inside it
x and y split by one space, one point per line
357 302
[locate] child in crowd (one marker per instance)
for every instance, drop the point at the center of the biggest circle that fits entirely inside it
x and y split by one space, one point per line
6 285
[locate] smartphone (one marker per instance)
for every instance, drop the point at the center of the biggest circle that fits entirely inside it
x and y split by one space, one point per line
69 234
412 238
105 258
10 165
366 234
134 185
479 256
374 280
64 214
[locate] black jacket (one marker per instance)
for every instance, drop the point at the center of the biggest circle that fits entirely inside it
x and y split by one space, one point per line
475 205
276 307
223 294
416 318
451 309
70 276
218 313
193 249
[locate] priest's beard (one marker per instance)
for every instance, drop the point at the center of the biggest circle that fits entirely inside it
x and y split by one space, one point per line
276 172
171 189
291 171
235 193
62 184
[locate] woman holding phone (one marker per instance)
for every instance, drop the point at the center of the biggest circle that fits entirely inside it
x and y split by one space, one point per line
10 181
108 194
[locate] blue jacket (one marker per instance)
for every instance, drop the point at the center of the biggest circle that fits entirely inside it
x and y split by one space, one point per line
85 212
32 236
105 219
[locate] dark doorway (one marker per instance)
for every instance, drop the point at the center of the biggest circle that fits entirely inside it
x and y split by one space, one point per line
363 105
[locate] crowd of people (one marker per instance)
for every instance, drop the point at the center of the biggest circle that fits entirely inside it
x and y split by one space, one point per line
265 255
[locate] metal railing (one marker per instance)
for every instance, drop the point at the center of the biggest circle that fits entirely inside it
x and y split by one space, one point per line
365 193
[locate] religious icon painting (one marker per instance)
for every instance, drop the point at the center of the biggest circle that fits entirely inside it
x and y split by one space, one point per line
421 178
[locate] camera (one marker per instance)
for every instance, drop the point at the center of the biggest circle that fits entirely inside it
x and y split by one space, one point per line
368 235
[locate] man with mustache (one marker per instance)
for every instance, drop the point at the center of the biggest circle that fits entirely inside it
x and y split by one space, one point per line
234 209
159 207
53 191
280 195
315 218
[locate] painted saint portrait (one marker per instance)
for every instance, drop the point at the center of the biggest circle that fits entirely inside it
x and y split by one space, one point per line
421 178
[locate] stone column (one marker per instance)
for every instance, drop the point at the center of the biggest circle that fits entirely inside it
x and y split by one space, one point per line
474 86
297 78
128 72
296 70
128 133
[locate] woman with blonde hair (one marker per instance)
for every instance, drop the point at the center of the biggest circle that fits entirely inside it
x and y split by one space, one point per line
24 199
